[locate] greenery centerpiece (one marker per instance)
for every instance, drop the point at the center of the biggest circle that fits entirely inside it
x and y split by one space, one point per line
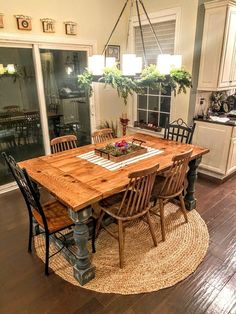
178 80
121 150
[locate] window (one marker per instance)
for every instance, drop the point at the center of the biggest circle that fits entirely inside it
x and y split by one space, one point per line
154 107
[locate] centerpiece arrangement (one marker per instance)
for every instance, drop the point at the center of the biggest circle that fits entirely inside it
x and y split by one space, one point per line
121 150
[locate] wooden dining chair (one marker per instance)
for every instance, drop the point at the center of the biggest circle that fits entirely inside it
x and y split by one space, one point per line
52 216
62 143
171 186
133 203
102 135
179 131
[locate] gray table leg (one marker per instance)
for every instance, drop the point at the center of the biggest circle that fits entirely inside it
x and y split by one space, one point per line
83 270
190 201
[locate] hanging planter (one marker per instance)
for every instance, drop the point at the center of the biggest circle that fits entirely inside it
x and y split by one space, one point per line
178 80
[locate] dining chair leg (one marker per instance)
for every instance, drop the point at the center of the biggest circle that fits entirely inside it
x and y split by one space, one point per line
183 208
121 243
151 229
98 224
46 253
162 217
30 234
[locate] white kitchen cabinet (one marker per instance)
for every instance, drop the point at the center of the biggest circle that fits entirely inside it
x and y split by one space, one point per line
232 157
218 54
220 139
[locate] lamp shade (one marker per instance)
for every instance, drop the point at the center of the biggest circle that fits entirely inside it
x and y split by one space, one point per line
163 63
176 62
110 62
11 68
96 64
129 64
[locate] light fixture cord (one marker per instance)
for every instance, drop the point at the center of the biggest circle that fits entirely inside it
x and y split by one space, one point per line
152 28
114 28
129 26
141 32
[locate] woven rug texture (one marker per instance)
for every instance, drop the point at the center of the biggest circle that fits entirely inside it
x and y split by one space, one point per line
147 268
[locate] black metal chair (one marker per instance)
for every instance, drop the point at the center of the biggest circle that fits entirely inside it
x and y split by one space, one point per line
52 216
179 131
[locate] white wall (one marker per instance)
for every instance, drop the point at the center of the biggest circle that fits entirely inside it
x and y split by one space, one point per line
95 20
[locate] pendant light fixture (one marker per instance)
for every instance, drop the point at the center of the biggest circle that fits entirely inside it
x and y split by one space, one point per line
131 64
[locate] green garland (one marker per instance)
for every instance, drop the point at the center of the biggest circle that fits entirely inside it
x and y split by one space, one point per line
178 81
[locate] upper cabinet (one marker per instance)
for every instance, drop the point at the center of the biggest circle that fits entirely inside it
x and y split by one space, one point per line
218 55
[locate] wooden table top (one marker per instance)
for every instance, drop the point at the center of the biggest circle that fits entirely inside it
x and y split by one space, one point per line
77 182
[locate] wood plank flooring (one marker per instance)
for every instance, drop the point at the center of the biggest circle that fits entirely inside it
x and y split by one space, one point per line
211 289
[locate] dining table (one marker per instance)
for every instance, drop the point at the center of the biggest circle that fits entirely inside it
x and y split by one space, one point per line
78 179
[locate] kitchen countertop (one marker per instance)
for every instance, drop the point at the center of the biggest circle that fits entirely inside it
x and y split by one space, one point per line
231 122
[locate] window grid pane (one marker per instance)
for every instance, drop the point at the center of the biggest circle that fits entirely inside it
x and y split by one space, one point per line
157 104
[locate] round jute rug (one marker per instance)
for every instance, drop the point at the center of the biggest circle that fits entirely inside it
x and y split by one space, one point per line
147 268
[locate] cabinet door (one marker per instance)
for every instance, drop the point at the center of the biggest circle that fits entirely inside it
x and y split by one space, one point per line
216 138
233 73
232 157
228 56
213 36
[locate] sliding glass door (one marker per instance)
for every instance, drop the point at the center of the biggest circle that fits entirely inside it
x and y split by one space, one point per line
20 126
68 109
40 99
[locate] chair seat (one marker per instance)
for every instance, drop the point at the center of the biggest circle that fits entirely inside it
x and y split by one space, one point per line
56 215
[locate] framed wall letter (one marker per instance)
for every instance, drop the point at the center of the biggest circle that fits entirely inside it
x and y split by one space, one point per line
1 21
48 25
70 28
23 22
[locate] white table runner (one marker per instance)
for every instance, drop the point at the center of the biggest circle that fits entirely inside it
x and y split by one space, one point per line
111 165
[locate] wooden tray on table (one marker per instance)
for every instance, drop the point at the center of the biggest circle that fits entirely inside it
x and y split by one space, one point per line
121 153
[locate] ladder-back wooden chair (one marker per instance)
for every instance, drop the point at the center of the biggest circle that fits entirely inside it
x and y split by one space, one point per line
102 135
179 131
62 143
52 216
171 186
128 205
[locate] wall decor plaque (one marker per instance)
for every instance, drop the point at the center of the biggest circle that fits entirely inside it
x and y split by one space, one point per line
1 21
48 25
70 28
23 22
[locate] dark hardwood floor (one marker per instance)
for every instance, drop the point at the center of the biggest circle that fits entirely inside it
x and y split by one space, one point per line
211 289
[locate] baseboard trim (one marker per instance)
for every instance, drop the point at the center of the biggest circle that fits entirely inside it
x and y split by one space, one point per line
214 179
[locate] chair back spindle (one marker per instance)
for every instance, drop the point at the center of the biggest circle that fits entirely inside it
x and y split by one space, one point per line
173 184
62 143
179 131
136 198
102 135
26 187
